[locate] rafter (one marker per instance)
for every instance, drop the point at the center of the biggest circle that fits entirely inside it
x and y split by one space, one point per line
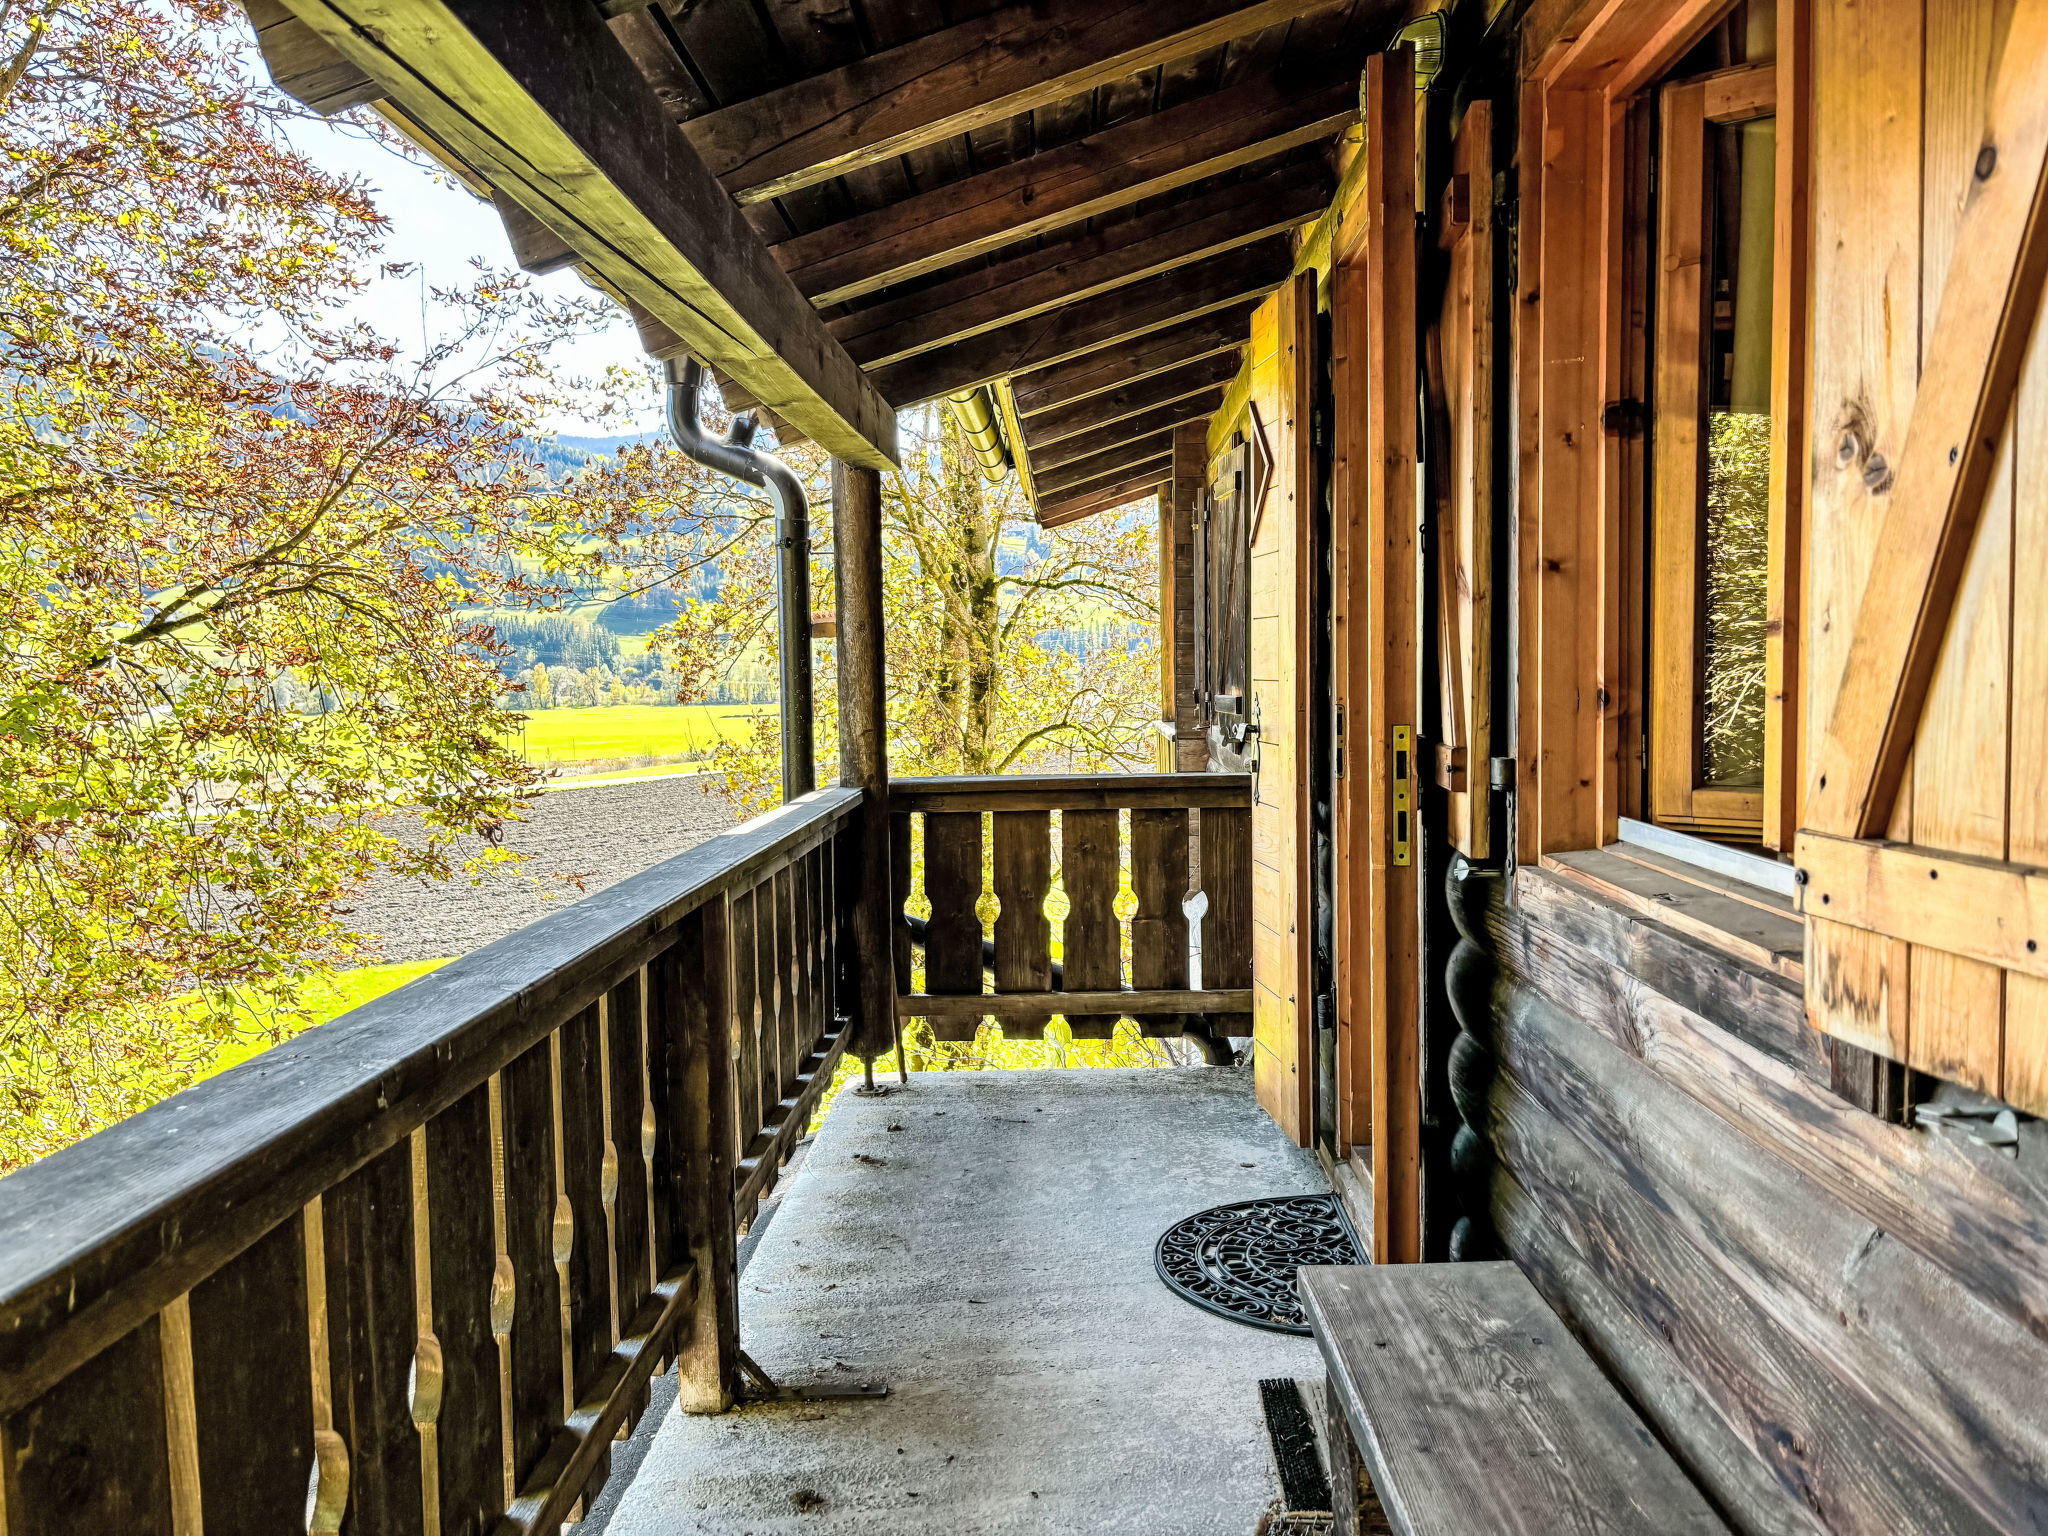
539 98
1180 234
1060 187
1123 459
981 71
1057 514
1111 367
1148 393
1161 418
1155 304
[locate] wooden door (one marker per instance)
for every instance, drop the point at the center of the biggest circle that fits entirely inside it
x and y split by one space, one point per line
1376 669
1278 486
1923 849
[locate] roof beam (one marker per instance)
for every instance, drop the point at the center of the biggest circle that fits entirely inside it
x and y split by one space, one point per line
1109 367
1040 193
1083 474
1056 514
1191 230
1099 410
540 98
1154 304
1163 418
982 71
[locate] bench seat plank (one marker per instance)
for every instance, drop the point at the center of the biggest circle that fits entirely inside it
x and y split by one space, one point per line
1477 1413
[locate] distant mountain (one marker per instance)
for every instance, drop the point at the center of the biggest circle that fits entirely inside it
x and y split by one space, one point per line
565 453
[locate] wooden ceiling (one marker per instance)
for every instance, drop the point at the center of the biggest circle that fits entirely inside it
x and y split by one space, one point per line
1080 198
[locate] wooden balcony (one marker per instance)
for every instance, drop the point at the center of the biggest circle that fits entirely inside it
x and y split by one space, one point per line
414 1270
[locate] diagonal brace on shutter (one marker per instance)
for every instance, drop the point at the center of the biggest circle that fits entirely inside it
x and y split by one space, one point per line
1973 361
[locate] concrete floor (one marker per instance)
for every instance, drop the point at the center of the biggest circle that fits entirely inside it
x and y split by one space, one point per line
982 1242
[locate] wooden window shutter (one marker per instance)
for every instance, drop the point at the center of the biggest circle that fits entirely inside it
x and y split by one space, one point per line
1458 358
1933 949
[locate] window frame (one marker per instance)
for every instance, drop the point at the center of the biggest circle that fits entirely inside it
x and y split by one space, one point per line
1686 111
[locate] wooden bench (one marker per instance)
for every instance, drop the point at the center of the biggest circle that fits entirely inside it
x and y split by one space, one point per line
1475 1412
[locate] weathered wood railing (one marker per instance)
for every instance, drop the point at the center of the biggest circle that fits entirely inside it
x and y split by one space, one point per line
412 1271
1092 992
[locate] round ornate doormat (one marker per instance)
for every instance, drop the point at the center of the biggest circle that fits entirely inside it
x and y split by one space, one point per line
1239 1260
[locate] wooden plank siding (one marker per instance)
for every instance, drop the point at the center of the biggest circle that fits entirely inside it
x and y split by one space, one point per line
1901 105
1281 1062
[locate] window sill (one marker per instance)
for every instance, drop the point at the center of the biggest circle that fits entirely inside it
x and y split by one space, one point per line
1731 915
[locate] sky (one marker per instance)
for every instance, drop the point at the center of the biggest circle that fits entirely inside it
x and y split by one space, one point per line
439 228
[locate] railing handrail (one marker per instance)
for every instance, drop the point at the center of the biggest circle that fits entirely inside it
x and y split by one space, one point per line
1072 792
103 1234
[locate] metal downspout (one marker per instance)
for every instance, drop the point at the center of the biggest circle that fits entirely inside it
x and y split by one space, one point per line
735 455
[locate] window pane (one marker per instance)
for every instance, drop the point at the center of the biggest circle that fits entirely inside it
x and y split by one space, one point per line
1738 440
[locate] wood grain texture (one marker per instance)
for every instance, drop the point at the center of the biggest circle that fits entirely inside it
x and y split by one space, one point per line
1159 926
1133 1003
1981 1217
1129 490
1948 462
1562 755
1393 642
974 74
123 1224
1072 792
746 1012
1867 322
92 1454
2025 1069
1123 164
1188 229
1351 672
1023 933
1149 458
1766 938
1476 1412
864 746
1181 382
541 100
1108 368
371 1337
469 1434
1091 944
1227 927
1154 304
1820 1438
1871 1310
1465 545
1114 434
1785 558
1677 502
1631 1351
953 935
255 1422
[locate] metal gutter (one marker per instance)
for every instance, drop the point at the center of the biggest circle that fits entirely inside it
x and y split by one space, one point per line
735 455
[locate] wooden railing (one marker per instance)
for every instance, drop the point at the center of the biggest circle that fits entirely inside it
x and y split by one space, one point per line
1089 988
412 1271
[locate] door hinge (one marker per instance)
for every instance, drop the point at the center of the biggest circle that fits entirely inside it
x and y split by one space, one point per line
1404 795
1340 741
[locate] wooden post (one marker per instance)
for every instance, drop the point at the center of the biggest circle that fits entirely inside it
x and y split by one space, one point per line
690 1029
1177 617
864 744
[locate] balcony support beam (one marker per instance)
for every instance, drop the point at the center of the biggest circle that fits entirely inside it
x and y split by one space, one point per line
864 746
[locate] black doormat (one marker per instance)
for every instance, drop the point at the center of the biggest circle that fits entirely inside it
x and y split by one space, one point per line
1239 1260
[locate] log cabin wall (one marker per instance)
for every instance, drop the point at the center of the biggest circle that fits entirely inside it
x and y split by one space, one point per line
1835 1311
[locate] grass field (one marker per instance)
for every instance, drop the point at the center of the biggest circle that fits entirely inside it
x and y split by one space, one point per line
624 733
324 997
